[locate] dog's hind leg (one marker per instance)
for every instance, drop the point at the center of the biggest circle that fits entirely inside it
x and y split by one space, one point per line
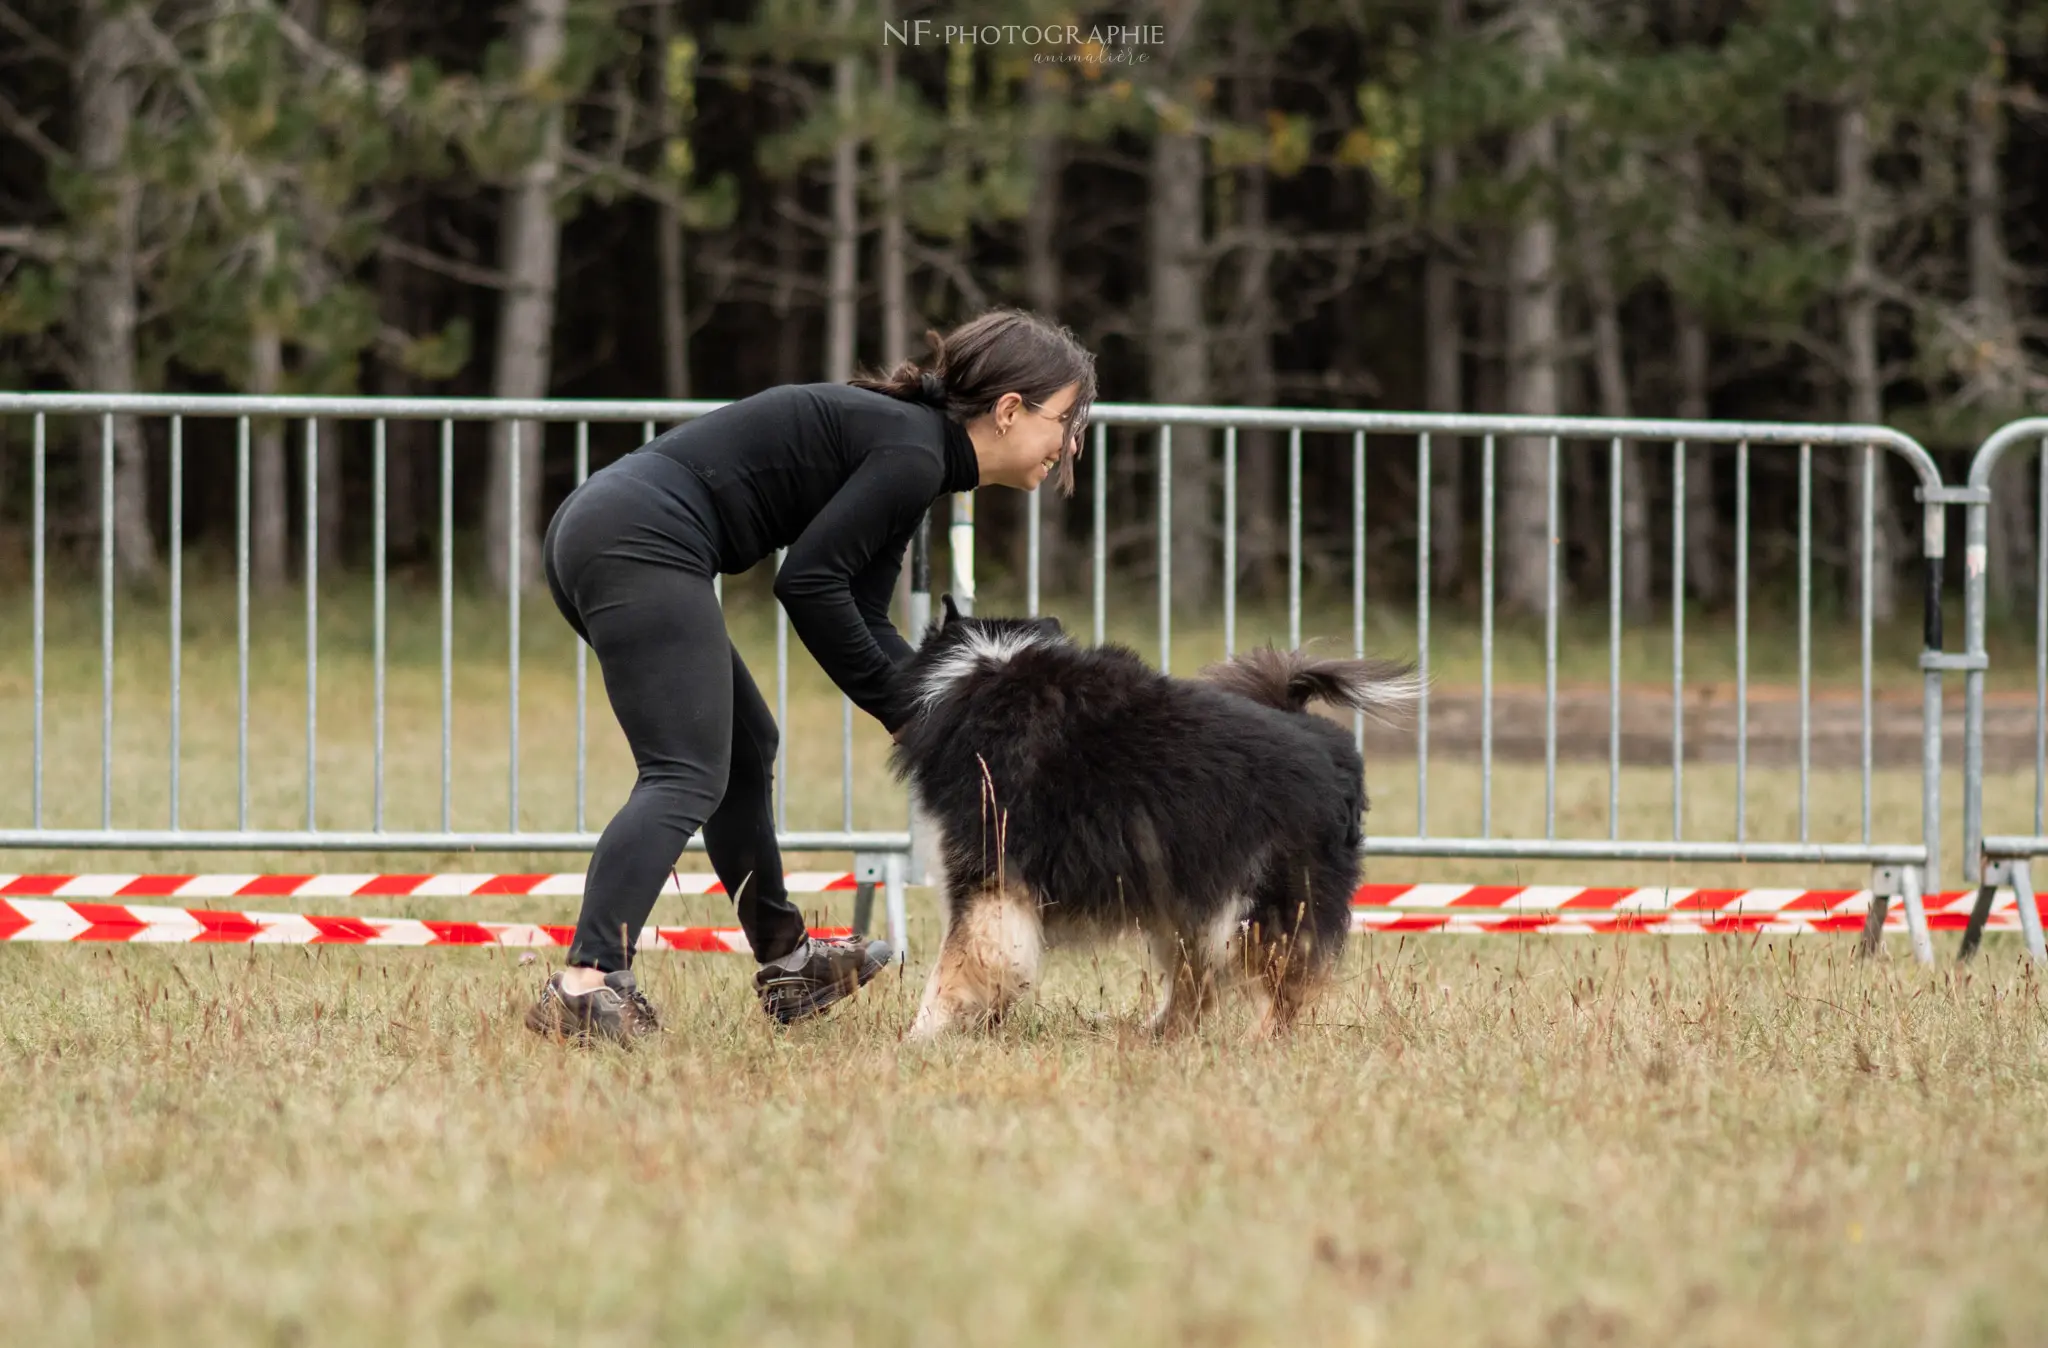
1190 964
988 960
1291 944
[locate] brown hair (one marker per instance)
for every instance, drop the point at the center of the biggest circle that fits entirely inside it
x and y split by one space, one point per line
1001 351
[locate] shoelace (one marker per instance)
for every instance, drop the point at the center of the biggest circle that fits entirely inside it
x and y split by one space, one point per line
642 1008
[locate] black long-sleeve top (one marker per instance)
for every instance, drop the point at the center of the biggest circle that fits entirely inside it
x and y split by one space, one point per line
840 476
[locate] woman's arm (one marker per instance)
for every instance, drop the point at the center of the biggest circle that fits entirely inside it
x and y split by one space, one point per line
847 557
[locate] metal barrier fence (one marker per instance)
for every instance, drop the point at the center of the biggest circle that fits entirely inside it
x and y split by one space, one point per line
1899 865
2002 859
880 857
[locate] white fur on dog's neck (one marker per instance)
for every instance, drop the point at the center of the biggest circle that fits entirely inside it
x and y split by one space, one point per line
975 648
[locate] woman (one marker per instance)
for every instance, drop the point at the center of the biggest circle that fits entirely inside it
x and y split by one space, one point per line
840 475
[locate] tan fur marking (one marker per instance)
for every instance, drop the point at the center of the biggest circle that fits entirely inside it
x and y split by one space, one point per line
988 962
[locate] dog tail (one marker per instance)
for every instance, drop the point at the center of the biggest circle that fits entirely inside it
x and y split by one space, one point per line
1290 680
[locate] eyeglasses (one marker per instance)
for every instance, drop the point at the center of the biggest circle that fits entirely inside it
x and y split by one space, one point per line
1062 418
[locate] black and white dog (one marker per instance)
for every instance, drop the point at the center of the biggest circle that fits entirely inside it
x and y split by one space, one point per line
1076 791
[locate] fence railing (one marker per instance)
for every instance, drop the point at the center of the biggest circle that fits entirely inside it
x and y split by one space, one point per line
1900 863
880 856
2002 859
1142 437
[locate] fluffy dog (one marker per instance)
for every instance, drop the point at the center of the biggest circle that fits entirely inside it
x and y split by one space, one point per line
1076 791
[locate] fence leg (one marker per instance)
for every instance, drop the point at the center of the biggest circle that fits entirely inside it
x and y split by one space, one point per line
2030 915
892 888
1873 920
1916 915
863 906
1980 913
1904 881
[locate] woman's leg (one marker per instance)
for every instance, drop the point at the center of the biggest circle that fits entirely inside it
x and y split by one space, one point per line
661 643
740 834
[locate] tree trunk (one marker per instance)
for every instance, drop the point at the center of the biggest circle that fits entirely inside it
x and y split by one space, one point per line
1046 161
1705 571
529 248
844 262
269 503
893 263
1532 342
895 239
1261 514
1444 334
1856 203
1179 355
2008 574
107 308
789 348
668 222
404 441
1610 380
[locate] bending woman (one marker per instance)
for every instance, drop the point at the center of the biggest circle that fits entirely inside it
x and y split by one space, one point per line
840 474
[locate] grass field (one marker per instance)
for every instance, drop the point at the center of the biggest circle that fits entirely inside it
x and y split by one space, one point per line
1476 1140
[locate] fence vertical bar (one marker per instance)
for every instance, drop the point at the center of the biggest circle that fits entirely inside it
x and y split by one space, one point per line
1614 497
380 497
1294 537
107 621
1486 466
2040 641
242 623
312 530
39 490
582 659
1229 541
1550 646
1678 640
1869 567
1358 569
960 537
1422 454
1166 549
1805 632
515 544
447 621
1934 524
177 605
782 702
846 762
1742 642
1032 545
1101 494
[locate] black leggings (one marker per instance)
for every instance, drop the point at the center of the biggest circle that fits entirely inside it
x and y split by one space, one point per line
630 558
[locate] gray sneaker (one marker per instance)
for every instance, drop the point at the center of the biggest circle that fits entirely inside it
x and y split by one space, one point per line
823 970
617 1010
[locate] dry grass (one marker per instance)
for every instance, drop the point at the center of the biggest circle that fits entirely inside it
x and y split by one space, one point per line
1478 1140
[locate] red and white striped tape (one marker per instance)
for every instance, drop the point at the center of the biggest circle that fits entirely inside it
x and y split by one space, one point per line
1499 898
359 886
62 920
1388 921
1574 902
